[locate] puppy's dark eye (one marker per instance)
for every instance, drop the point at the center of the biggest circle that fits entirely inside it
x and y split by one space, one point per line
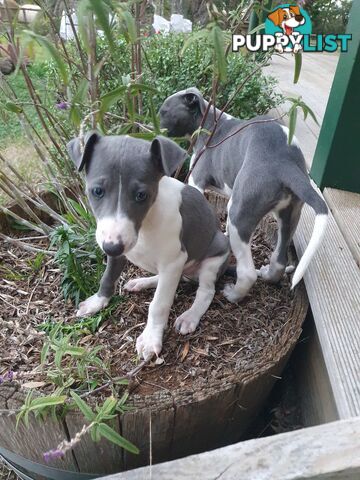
98 192
141 196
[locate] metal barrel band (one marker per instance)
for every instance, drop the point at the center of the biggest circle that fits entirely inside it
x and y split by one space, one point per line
18 463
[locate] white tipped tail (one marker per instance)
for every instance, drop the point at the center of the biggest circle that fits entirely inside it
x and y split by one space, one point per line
315 240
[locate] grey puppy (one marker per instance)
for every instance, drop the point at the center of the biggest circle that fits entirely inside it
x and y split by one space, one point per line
155 221
260 172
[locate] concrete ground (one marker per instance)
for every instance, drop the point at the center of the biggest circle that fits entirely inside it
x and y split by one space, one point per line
314 87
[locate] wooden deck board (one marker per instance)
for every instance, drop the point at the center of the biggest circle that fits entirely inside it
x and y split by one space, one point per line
345 207
314 86
330 451
332 282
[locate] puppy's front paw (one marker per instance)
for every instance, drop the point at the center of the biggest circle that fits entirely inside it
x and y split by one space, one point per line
149 343
92 305
187 322
137 284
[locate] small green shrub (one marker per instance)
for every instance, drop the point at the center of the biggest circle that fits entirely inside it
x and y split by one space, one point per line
172 70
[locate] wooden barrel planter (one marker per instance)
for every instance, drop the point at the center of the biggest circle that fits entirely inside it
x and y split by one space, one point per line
198 412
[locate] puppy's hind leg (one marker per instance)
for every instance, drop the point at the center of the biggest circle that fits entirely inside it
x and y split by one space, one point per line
101 299
245 268
209 271
287 220
248 205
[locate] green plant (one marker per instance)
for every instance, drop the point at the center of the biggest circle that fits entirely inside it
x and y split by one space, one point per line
109 84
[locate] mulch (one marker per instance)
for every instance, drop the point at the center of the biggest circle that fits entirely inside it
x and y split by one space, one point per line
231 337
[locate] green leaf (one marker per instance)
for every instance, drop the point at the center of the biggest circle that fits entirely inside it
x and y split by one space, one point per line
110 434
143 135
140 87
84 214
130 24
112 97
12 107
79 97
257 29
83 407
58 357
47 402
44 42
107 408
83 17
44 352
102 15
298 63
312 114
219 49
196 37
74 351
292 123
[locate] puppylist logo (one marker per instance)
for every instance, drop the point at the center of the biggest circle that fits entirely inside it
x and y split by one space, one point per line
288 29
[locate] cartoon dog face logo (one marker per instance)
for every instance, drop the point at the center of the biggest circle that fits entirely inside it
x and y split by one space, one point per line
287 18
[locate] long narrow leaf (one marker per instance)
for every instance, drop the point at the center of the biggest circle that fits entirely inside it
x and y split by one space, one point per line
102 15
297 69
219 49
44 42
83 407
130 24
47 402
292 123
112 97
114 437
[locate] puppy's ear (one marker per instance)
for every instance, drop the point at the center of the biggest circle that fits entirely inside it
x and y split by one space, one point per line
276 16
191 100
80 158
194 100
168 155
295 9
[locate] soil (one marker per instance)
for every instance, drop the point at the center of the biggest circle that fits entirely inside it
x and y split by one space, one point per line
230 338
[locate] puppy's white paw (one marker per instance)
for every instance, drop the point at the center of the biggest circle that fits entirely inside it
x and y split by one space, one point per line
231 293
136 285
92 305
187 322
263 272
149 343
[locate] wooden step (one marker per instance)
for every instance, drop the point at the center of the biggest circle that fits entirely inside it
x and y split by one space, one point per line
319 453
345 207
332 282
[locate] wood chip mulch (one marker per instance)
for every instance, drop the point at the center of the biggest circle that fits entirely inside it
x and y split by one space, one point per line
242 337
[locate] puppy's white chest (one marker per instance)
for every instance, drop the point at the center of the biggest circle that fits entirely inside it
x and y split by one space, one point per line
146 254
159 242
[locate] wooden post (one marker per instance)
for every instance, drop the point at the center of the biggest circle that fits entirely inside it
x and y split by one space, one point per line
336 160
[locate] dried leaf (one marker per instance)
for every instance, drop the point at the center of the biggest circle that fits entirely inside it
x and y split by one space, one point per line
185 351
33 384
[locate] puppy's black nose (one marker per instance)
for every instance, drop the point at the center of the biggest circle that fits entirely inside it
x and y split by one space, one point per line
299 18
113 249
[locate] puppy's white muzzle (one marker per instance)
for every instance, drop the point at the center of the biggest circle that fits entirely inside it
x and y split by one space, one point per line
116 235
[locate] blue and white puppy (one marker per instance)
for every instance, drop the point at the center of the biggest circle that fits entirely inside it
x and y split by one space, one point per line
155 221
260 172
